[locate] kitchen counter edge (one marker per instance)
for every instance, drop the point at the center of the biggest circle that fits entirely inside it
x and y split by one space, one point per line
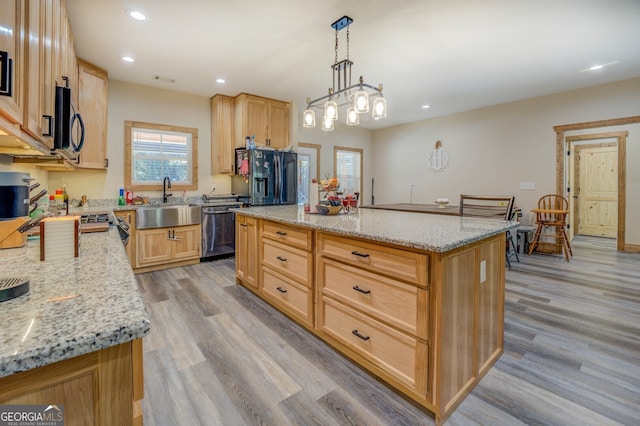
431 232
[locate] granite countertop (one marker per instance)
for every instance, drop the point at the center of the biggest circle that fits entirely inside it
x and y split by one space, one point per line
74 306
432 232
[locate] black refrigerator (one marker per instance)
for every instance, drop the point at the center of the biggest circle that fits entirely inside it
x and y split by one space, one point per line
267 176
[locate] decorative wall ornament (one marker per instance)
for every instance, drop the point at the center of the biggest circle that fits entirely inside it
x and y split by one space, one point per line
438 157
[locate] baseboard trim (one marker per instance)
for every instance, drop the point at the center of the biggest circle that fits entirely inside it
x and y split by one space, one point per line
632 248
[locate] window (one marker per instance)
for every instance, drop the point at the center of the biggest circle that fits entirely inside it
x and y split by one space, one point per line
308 166
348 169
154 151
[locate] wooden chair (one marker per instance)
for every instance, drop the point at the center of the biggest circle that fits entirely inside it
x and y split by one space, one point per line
491 207
552 213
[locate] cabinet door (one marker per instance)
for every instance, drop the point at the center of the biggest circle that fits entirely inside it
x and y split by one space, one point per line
153 246
33 122
92 105
247 250
257 111
222 144
279 123
49 66
11 39
186 242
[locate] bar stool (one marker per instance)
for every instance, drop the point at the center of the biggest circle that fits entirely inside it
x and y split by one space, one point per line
552 213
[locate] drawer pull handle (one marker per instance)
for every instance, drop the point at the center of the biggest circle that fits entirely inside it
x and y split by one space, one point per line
357 253
281 290
363 337
281 233
243 224
356 288
281 259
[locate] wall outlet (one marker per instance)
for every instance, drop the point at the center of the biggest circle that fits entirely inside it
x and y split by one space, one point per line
483 271
527 185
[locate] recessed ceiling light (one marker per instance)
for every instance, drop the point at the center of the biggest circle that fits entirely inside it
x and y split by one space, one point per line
137 15
598 67
425 106
128 59
221 80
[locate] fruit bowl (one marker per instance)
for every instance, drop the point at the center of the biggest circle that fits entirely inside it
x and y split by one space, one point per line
328 209
441 202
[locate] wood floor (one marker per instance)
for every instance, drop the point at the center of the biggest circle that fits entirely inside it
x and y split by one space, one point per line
218 355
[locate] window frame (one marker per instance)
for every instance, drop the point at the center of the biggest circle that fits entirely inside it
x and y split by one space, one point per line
360 151
155 127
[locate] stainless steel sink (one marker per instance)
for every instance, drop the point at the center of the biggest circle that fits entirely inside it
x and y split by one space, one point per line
167 216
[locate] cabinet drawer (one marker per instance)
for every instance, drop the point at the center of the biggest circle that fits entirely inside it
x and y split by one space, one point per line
389 300
291 262
289 235
397 353
405 265
292 298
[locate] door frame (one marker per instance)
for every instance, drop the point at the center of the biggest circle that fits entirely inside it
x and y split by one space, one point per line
561 149
620 144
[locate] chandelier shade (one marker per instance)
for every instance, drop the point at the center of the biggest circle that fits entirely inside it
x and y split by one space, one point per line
344 93
379 108
308 118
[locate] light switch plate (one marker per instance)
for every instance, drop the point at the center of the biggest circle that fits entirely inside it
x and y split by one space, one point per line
483 271
527 185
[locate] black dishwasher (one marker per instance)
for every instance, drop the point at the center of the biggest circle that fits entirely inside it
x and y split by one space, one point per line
218 231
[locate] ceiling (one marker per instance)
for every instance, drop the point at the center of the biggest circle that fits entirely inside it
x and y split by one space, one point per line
454 55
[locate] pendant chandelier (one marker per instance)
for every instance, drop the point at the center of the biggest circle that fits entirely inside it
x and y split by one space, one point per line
343 93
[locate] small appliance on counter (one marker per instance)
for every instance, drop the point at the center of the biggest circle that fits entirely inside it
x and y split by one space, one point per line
266 176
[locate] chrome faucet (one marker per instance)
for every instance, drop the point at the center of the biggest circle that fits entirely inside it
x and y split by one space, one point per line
166 184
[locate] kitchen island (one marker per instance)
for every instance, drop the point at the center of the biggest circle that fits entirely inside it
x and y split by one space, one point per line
76 338
416 299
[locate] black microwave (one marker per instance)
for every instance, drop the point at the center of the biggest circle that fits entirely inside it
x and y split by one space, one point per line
68 125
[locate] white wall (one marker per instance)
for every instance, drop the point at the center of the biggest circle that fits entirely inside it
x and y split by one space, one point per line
491 150
142 103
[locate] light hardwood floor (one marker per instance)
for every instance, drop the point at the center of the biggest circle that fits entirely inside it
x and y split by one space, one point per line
218 355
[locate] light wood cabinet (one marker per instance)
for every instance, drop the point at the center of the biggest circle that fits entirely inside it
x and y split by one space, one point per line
247 251
92 106
99 388
167 245
430 324
268 119
286 269
34 123
129 216
372 302
12 21
222 137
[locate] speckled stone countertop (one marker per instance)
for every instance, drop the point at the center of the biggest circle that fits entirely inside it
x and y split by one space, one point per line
432 232
74 306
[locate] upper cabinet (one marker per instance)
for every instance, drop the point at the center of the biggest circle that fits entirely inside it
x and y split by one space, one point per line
222 140
11 60
37 53
92 106
233 119
268 120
